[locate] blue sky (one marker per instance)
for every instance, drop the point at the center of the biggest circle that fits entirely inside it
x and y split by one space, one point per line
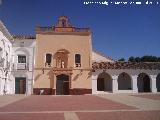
118 30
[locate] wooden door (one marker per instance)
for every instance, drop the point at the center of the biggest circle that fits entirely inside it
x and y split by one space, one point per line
20 85
100 84
66 87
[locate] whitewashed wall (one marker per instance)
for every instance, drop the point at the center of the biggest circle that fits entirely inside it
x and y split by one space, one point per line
5 60
24 47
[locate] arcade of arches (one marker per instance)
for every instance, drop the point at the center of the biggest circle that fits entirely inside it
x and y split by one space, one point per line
124 82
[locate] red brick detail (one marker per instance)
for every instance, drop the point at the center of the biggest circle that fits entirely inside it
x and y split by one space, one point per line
47 91
80 91
50 91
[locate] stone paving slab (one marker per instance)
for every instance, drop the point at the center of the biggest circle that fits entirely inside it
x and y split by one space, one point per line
138 102
63 103
149 96
70 116
125 115
8 99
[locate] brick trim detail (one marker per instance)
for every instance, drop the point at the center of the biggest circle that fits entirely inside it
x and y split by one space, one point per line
50 91
80 91
47 91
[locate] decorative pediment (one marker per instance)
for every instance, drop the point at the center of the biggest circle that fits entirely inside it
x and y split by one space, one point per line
63 22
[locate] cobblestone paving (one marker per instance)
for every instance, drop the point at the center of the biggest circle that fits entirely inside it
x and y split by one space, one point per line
86 107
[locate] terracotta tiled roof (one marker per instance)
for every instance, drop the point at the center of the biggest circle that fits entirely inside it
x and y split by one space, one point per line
23 37
126 65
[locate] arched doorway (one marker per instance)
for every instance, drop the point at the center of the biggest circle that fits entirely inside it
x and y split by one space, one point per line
124 81
104 82
143 83
158 82
62 84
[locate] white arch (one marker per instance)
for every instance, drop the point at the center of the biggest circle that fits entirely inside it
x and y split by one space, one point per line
22 50
124 81
144 82
104 82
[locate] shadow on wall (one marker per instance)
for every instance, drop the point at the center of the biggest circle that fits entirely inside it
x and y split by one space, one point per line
77 76
89 75
37 77
50 75
80 73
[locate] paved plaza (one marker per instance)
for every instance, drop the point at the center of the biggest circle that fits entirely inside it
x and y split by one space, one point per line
81 107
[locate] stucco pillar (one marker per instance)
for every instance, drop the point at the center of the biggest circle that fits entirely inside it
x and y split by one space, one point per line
134 83
153 83
15 62
29 86
12 84
28 82
115 83
30 63
94 84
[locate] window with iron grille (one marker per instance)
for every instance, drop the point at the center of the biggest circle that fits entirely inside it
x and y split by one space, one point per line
48 59
77 60
21 59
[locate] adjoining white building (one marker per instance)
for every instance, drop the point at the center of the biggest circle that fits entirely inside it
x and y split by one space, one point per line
23 58
5 60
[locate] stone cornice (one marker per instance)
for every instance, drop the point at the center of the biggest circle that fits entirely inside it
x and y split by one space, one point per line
63 31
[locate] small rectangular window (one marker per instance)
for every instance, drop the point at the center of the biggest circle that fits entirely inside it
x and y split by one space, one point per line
48 59
21 59
77 60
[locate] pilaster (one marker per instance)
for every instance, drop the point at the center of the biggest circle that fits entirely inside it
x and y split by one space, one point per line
114 83
134 83
153 83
